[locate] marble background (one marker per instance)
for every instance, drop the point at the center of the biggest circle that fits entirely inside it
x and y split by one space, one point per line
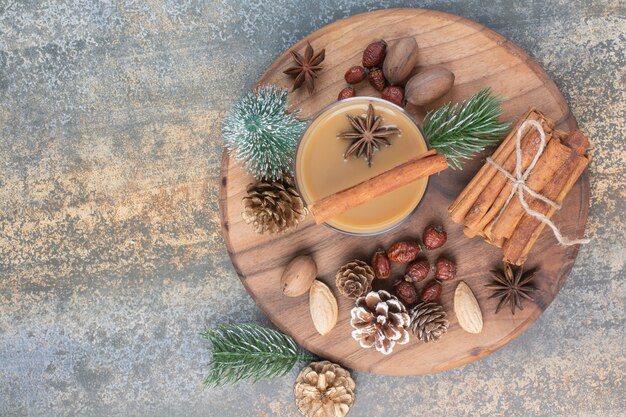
111 257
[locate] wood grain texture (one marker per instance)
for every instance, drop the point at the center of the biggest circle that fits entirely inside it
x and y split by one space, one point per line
479 57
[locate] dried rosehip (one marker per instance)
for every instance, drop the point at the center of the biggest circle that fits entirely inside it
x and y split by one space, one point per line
355 75
374 54
434 236
404 252
394 94
377 79
417 271
405 291
346 93
381 264
445 269
431 291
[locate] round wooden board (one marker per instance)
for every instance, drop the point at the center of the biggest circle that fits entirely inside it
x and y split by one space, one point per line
479 57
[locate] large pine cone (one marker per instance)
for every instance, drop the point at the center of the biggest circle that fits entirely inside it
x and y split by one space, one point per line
273 206
354 279
428 322
381 321
324 389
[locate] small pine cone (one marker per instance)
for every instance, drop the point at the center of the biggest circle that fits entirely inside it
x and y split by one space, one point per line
381 321
324 389
354 279
273 206
428 322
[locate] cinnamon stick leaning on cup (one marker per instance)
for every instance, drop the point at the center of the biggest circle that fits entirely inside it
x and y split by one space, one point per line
423 165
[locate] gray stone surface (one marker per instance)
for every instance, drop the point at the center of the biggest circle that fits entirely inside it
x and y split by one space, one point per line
110 249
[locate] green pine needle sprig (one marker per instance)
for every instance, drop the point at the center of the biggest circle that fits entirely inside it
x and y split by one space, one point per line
249 351
461 131
262 134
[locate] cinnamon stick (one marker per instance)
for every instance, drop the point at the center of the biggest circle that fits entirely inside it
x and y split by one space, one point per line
458 210
421 166
529 228
554 157
492 198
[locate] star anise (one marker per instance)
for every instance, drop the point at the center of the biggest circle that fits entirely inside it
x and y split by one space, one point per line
512 286
369 135
306 67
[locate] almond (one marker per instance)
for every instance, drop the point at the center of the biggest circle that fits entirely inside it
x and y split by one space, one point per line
323 307
298 276
428 85
467 309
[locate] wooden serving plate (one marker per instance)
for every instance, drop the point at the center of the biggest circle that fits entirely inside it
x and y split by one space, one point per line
479 57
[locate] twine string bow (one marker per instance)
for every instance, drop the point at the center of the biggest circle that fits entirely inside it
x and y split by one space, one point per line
520 187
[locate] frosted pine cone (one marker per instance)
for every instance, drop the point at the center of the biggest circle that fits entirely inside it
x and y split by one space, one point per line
428 322
273 206
354 279
380 320
324 389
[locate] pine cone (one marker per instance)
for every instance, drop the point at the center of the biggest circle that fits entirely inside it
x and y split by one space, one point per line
324 389
273 206
354 279
428 322
381 321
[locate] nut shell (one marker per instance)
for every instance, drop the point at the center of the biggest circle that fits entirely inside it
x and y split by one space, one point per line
401 59
298 276
428 85
467 309
323 307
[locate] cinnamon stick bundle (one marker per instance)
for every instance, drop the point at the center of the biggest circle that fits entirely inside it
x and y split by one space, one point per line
423 165
529 227
484 206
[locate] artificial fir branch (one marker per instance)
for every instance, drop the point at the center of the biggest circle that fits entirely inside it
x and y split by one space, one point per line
461 131
261 134
249 351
